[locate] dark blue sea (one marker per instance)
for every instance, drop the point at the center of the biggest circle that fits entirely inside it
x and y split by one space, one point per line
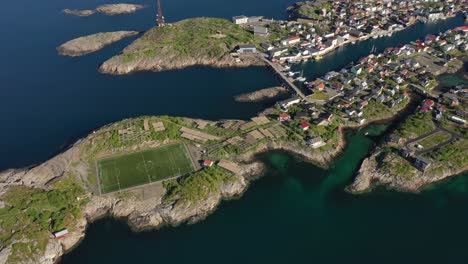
297 213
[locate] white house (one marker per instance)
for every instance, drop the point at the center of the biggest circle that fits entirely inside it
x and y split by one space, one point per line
239 20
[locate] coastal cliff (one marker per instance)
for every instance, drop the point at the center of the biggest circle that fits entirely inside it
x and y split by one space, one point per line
196 41
372 174
91 43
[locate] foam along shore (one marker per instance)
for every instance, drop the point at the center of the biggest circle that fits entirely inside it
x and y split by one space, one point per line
108 9
91 43
194 41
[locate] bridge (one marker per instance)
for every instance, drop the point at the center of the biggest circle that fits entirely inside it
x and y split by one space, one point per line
288 82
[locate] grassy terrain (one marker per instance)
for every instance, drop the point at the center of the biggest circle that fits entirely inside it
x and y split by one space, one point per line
454 155
191 38
31 215
196 186
397 165
416 125
320 95
311 10
143 167
434 139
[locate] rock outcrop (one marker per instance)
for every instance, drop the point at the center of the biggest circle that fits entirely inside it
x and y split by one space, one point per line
108 9
372 174
118 9
260 95
91 43
115 65
81 13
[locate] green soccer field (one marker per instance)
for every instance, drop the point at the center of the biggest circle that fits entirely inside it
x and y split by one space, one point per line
118 173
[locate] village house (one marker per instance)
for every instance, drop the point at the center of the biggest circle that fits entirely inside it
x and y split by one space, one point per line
239 20
304 126
315 142
422 163
245 49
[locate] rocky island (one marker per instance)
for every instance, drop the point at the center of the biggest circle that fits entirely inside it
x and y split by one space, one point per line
108 9
260 95
162 170
196 41
91 43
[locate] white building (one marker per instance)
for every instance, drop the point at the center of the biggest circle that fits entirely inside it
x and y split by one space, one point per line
239 20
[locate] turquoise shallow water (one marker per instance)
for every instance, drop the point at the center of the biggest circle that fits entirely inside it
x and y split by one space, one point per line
298 213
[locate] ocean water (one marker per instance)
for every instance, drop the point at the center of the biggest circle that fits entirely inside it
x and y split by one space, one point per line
299 213
296 213
49 101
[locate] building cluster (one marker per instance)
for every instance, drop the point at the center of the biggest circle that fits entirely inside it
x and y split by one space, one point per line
324 26
376 81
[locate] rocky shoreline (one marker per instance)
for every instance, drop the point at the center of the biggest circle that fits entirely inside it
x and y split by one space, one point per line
260 95
141 214
154 212
370 176
107 9
115 66
91 43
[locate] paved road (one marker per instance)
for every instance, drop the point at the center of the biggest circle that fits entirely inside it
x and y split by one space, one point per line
453 137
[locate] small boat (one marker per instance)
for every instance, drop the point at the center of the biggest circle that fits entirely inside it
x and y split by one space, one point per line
301 77
367 133
286 67
317 58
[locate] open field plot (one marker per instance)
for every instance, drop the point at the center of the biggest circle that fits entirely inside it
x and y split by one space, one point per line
118 173
434 139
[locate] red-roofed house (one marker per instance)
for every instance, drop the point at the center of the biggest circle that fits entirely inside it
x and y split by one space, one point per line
429 104
304 126
208 163
462 28
284 117
320 86
424 110
363 104
294 40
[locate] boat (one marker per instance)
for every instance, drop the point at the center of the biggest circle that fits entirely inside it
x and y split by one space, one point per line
286 67
373 50
301 77
367 133
318 57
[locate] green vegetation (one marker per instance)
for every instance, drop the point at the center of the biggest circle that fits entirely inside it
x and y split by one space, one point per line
320 95
376 110
32 214
312 10
139 168
434 139
196 186
416 125
210 38
454 155
395 164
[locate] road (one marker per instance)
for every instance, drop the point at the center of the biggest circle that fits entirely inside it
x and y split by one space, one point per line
453 137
